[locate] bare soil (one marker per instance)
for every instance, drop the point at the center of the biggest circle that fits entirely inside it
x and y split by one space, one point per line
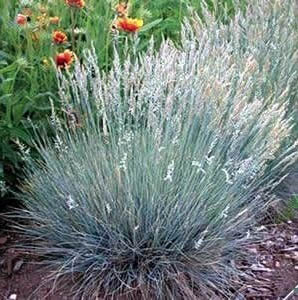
275 267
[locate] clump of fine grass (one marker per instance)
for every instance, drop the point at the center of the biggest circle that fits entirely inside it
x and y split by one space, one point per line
165 163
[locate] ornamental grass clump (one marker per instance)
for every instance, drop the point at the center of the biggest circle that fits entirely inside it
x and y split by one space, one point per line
163 165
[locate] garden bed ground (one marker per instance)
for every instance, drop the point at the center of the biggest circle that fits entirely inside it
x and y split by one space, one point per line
275 270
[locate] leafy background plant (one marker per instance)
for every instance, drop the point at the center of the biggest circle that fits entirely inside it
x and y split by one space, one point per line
289 211
25 86
27 77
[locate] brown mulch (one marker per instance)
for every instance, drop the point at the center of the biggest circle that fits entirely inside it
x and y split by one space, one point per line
274 271
273 274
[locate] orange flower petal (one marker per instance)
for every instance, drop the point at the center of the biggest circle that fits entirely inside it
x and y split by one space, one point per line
64 59
59 37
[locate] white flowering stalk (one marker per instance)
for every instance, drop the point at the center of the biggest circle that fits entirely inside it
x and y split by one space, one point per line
244 84
177 153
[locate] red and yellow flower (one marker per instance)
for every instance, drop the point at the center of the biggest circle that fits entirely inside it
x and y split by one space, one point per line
75 3
21 19
59 37
129 24
64 59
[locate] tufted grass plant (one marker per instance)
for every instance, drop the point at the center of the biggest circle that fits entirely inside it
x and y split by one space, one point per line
166 162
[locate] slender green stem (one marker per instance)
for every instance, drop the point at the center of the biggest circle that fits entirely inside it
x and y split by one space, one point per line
29 43
73 42
107 18
180 11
